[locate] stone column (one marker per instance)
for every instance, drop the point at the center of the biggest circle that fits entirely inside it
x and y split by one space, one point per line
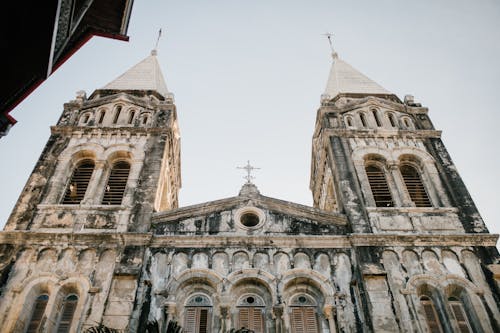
224 314
170 310
329 311
403 197
278 317
95 185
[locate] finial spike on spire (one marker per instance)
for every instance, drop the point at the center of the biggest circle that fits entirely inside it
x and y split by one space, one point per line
329 35
155 50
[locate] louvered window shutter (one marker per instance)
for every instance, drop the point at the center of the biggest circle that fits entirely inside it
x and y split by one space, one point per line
67 312
77 186
197 320
304 320
117 182
431 315
379 187
37 314
460 316
415 187
257 323
243 318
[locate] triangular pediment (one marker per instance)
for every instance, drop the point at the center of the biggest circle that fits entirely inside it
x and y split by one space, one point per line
224 217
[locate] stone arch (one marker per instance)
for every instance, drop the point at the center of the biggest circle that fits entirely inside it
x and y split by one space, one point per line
240 260
86 261
322 263
220 263
261 261
46 259
67 260
188 281
431 262
451 263
301 260
307 277
180 262
411 262
199 260
22 307
281 262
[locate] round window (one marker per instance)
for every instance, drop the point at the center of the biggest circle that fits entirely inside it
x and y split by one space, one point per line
250 300
249 217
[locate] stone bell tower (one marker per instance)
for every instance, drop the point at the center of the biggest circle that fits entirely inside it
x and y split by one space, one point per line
427 262
111 161
73 246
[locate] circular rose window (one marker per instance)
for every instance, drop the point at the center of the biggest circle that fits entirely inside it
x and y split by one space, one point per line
249 217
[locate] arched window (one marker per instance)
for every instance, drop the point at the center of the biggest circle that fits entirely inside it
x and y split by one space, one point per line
377 119
66 315
131 116
391 119
348 121
414 185
37 313
118 110
85 118
431 316
379 187
101 116
362 117
251 313
407 123
303 315
77 186
117 182
145 119
457 309
198 315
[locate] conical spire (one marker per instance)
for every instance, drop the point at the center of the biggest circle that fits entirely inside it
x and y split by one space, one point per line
146 75
344 79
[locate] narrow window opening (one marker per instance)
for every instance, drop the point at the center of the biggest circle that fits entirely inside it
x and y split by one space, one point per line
415 187
117 182
101 117
117 114
349 122
67 312
363 119
78 183
37 314
391 119
85 118
131 117
379 187
407 122
431 315
145 120
457 308
377 120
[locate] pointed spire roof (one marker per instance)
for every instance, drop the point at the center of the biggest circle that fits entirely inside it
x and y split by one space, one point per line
345 79
146 75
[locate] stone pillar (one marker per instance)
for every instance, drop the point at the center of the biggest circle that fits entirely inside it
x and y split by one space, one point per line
95 184
329 311
278 317
224 314
403 197
170 310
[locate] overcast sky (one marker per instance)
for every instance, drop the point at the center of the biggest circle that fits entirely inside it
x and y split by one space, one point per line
248 75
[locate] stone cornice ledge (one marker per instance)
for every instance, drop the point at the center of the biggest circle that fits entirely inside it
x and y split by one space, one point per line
111 239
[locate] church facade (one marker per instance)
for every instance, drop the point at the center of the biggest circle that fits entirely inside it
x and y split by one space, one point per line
393 242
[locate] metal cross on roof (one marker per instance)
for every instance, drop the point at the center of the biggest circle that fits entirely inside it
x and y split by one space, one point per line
249 169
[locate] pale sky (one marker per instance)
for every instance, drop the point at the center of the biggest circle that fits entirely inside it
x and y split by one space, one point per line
248 75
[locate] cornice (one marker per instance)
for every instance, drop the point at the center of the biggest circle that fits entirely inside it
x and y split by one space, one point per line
83 130
112 239
376 133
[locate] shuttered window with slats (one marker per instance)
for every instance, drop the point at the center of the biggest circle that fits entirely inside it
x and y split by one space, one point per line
457 308
67 311
431 315
415 187
378 184
251 318
77 186
117 182
304 320
37 314
197 320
